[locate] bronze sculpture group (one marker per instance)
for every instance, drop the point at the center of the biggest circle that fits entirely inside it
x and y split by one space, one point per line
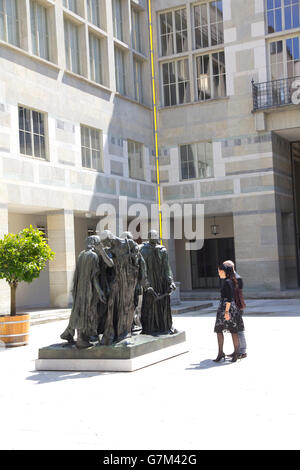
110 275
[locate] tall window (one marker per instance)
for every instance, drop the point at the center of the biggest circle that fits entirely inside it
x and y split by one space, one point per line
196 160
71 5
72 47
208 24
136 32
91 148
39 30
120 71
285 58
135 160
173 32
211 76
282 15
176 83
138 81
93 10
9 22
117 19
95 58
32 133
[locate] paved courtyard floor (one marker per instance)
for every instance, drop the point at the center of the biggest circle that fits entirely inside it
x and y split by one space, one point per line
187 402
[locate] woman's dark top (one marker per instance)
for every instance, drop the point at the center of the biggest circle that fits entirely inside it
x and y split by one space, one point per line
227 290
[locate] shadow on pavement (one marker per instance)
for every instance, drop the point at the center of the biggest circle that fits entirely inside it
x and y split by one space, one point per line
43 377
208 364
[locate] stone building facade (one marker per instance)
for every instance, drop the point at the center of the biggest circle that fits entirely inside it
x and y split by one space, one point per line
229 131
76 129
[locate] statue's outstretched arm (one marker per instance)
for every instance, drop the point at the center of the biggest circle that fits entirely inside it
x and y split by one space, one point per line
101 252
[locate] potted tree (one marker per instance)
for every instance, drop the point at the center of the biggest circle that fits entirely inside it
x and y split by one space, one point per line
22 257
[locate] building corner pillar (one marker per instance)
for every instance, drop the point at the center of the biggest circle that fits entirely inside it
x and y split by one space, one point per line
61 238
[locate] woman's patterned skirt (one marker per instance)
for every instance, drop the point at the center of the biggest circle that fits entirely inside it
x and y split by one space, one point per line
234 324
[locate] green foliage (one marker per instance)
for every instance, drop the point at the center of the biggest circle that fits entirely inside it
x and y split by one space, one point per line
23 256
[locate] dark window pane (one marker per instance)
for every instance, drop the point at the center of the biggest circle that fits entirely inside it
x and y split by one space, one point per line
166 96
27 120
173 94
28 144
21 119
42 147
22 142
36 141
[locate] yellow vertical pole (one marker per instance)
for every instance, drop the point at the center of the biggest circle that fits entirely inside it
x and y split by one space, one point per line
155 120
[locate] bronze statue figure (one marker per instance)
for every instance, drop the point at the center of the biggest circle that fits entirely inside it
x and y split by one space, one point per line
86 292
156 317
120 307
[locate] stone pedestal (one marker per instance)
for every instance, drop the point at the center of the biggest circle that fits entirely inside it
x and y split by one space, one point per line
126 356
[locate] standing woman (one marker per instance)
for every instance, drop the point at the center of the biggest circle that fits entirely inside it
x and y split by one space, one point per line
228 317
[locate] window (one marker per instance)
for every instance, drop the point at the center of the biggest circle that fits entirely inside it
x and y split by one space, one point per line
196 160
282 15
211 76
32 133
138 82
176 84
173 32
71 5
95 58
135 160
285 58
117 19
39 30
93 10
208 24
91 148
72 47
136 33
9 22
120 71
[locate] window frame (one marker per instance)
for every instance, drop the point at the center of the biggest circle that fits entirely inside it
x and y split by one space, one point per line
17 35
196 161
177 82
93 73
136 44
89 14
284 40
66 4
91 148
210 54
68 56
35 33
138 80
129 141
115 21
32 133
282 9
209 24
173 32
117 75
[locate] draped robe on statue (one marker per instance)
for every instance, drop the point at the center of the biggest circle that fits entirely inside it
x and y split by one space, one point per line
156 317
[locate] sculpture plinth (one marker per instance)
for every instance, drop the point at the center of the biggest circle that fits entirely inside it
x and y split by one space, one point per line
126 356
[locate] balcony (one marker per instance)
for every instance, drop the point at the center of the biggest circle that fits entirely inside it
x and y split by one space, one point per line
275 93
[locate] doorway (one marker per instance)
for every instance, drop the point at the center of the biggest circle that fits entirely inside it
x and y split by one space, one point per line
296 181
205 262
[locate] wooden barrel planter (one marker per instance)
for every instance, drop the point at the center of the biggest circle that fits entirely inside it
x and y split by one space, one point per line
14 330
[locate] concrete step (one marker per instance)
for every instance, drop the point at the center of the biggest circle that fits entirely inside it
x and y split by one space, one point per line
41 316
189 306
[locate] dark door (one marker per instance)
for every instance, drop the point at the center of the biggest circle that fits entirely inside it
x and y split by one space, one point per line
205 262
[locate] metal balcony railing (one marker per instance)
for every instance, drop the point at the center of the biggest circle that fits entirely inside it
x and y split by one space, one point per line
274 93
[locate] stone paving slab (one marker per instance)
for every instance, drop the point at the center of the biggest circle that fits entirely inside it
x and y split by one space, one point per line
174 404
